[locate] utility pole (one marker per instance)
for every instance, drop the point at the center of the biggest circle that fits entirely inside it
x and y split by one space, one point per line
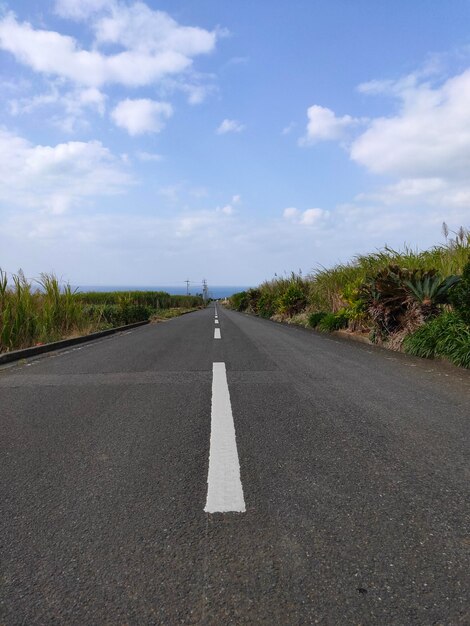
205 290
187 287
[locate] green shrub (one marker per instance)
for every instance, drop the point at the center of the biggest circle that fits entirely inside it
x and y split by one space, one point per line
315 318
152 299
266 304
444 336
293 300
460 295
239 301
423 342
333 321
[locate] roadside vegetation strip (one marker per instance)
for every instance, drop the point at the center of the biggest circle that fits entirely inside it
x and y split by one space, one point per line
224 486
412 301
44 311
168 314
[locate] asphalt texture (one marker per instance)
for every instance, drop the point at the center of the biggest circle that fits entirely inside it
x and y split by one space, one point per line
354 464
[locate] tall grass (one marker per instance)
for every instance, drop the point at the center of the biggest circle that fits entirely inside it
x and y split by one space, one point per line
40 311
331 290
36 314
154 299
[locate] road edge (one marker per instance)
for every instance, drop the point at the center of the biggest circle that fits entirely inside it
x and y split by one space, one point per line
368 346
17 355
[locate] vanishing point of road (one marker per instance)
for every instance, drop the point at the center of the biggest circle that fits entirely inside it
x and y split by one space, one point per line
230 470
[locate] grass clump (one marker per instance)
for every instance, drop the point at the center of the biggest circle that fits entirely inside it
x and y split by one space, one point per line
446 336
460 296
390 294
315 318
333 321
35 312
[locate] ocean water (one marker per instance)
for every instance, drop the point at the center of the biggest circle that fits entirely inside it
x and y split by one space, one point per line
216 292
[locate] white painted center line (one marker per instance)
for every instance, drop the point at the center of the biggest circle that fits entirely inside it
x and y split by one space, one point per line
216 321
217 333
224 486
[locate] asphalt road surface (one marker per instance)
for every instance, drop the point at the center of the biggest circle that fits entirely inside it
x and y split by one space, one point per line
345 492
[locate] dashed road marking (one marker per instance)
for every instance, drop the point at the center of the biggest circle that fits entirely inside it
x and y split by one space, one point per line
217 333
224 486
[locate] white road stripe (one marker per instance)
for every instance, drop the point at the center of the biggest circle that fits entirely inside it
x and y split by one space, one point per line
217 333
224 487
216 321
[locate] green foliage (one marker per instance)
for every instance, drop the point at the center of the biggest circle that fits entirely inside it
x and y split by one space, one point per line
328 286
460 295
386 298
428 289
266 303
152 299
445 336
168 314
239 301
315 318
396 297
50 311
333 321
293 299
284 296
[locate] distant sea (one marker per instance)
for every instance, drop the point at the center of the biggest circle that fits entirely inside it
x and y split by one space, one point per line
216 292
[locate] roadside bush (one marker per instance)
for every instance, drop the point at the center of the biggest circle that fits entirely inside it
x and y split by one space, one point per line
239 301
152 299
252 297
315 318
266 304
293 300
333 321
444 336
460 295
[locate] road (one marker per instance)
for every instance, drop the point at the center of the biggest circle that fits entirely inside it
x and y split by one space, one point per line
346 487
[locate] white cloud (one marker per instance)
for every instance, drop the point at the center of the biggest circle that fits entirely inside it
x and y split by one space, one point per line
137 27
141 116
56 178
324 125
213 220
291 213
92 97
154 45
196 86
309 217
428 138
227 209
72 106
229 126
149 156
81 9
288 129
236 199
425 145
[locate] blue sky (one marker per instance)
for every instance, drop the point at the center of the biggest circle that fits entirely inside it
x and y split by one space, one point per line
143 143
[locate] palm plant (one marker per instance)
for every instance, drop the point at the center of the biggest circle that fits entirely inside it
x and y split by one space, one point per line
398 298
429 290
